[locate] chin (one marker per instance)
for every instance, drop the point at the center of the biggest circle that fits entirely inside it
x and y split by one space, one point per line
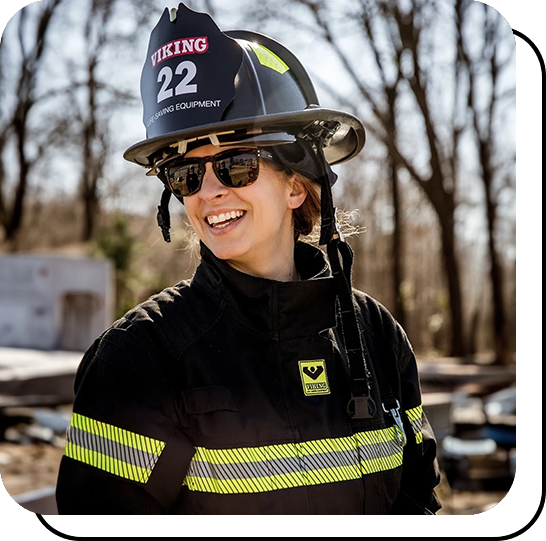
226 252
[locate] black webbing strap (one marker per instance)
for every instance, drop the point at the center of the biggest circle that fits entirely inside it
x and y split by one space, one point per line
389 382
361 404
388 376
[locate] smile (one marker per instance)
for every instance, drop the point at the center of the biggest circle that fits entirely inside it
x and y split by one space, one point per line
224 219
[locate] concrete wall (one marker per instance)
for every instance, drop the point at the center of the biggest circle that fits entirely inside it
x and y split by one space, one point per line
54 302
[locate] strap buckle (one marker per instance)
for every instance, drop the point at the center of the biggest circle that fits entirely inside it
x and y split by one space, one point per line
320 128
338 234
163 222
361 407
399 428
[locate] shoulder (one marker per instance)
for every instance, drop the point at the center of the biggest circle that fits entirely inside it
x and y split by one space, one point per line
152 336
375 315
380 323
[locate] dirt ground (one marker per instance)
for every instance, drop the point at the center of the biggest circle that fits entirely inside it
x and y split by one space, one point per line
26 468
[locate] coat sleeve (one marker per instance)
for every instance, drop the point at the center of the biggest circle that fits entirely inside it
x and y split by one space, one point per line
125 452
420 471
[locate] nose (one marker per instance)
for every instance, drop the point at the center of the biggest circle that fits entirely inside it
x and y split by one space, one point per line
211 188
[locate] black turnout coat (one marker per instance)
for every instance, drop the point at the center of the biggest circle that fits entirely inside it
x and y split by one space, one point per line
227 394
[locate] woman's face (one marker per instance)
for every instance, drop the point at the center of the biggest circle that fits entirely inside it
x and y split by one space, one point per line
249 227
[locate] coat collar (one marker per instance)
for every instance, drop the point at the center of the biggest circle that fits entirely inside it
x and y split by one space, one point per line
281 310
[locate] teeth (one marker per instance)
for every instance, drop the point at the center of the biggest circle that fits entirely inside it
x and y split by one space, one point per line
224 217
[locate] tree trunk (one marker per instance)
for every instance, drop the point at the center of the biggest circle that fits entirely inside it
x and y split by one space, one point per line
449 257
91 208
495 271
32 46
397 260
14 221
91 162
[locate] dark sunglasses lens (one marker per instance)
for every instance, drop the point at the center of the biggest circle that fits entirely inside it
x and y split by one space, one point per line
238 168
184 178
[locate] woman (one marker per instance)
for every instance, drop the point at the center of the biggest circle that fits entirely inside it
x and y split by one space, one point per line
265 385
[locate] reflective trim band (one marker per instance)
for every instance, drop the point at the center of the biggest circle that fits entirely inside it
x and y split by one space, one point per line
415 417
112 449
274 467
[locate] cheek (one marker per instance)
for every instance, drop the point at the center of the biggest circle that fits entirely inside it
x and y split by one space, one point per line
191 212
269 193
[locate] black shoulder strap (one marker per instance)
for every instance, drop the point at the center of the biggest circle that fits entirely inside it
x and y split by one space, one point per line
390 390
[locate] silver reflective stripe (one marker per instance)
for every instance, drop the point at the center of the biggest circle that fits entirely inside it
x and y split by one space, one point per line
110 448
274 467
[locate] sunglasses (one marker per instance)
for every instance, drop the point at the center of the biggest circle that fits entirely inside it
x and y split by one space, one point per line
234 168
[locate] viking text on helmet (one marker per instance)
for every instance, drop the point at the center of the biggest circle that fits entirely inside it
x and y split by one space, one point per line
180 47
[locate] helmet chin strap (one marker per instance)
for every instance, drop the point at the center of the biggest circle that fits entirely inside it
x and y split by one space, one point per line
340 255
163 215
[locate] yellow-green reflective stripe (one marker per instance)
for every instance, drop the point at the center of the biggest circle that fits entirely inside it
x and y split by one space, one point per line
107 463
415 416
274 482
382 464
288 450
112 449
274 467
119 435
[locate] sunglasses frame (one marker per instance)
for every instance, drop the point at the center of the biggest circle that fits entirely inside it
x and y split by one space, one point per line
200 165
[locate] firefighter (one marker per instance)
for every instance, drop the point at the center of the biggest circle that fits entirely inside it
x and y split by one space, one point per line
266 384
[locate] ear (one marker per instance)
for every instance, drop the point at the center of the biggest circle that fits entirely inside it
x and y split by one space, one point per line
296 194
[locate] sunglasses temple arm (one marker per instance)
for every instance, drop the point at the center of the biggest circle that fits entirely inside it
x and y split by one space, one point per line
163 216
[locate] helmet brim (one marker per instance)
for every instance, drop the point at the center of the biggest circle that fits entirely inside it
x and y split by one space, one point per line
346 143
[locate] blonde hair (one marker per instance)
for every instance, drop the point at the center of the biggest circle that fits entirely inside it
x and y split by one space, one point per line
307 217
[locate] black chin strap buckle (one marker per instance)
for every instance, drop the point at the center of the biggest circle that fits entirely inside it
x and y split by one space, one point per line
361 407
163 216
163 222
338 234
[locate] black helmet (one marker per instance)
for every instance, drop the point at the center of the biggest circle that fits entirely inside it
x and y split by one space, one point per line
231 87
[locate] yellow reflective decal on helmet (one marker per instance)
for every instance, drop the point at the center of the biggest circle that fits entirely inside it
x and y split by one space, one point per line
313 377
268 59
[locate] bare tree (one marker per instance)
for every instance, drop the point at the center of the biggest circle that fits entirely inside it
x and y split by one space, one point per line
485 97
94 137
402 33
99 98
104 96
71 119
33 26
388 96
439 182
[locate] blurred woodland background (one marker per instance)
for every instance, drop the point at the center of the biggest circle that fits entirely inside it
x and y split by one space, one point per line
432 80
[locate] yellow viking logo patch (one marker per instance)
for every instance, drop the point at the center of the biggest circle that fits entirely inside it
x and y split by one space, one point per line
313 377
